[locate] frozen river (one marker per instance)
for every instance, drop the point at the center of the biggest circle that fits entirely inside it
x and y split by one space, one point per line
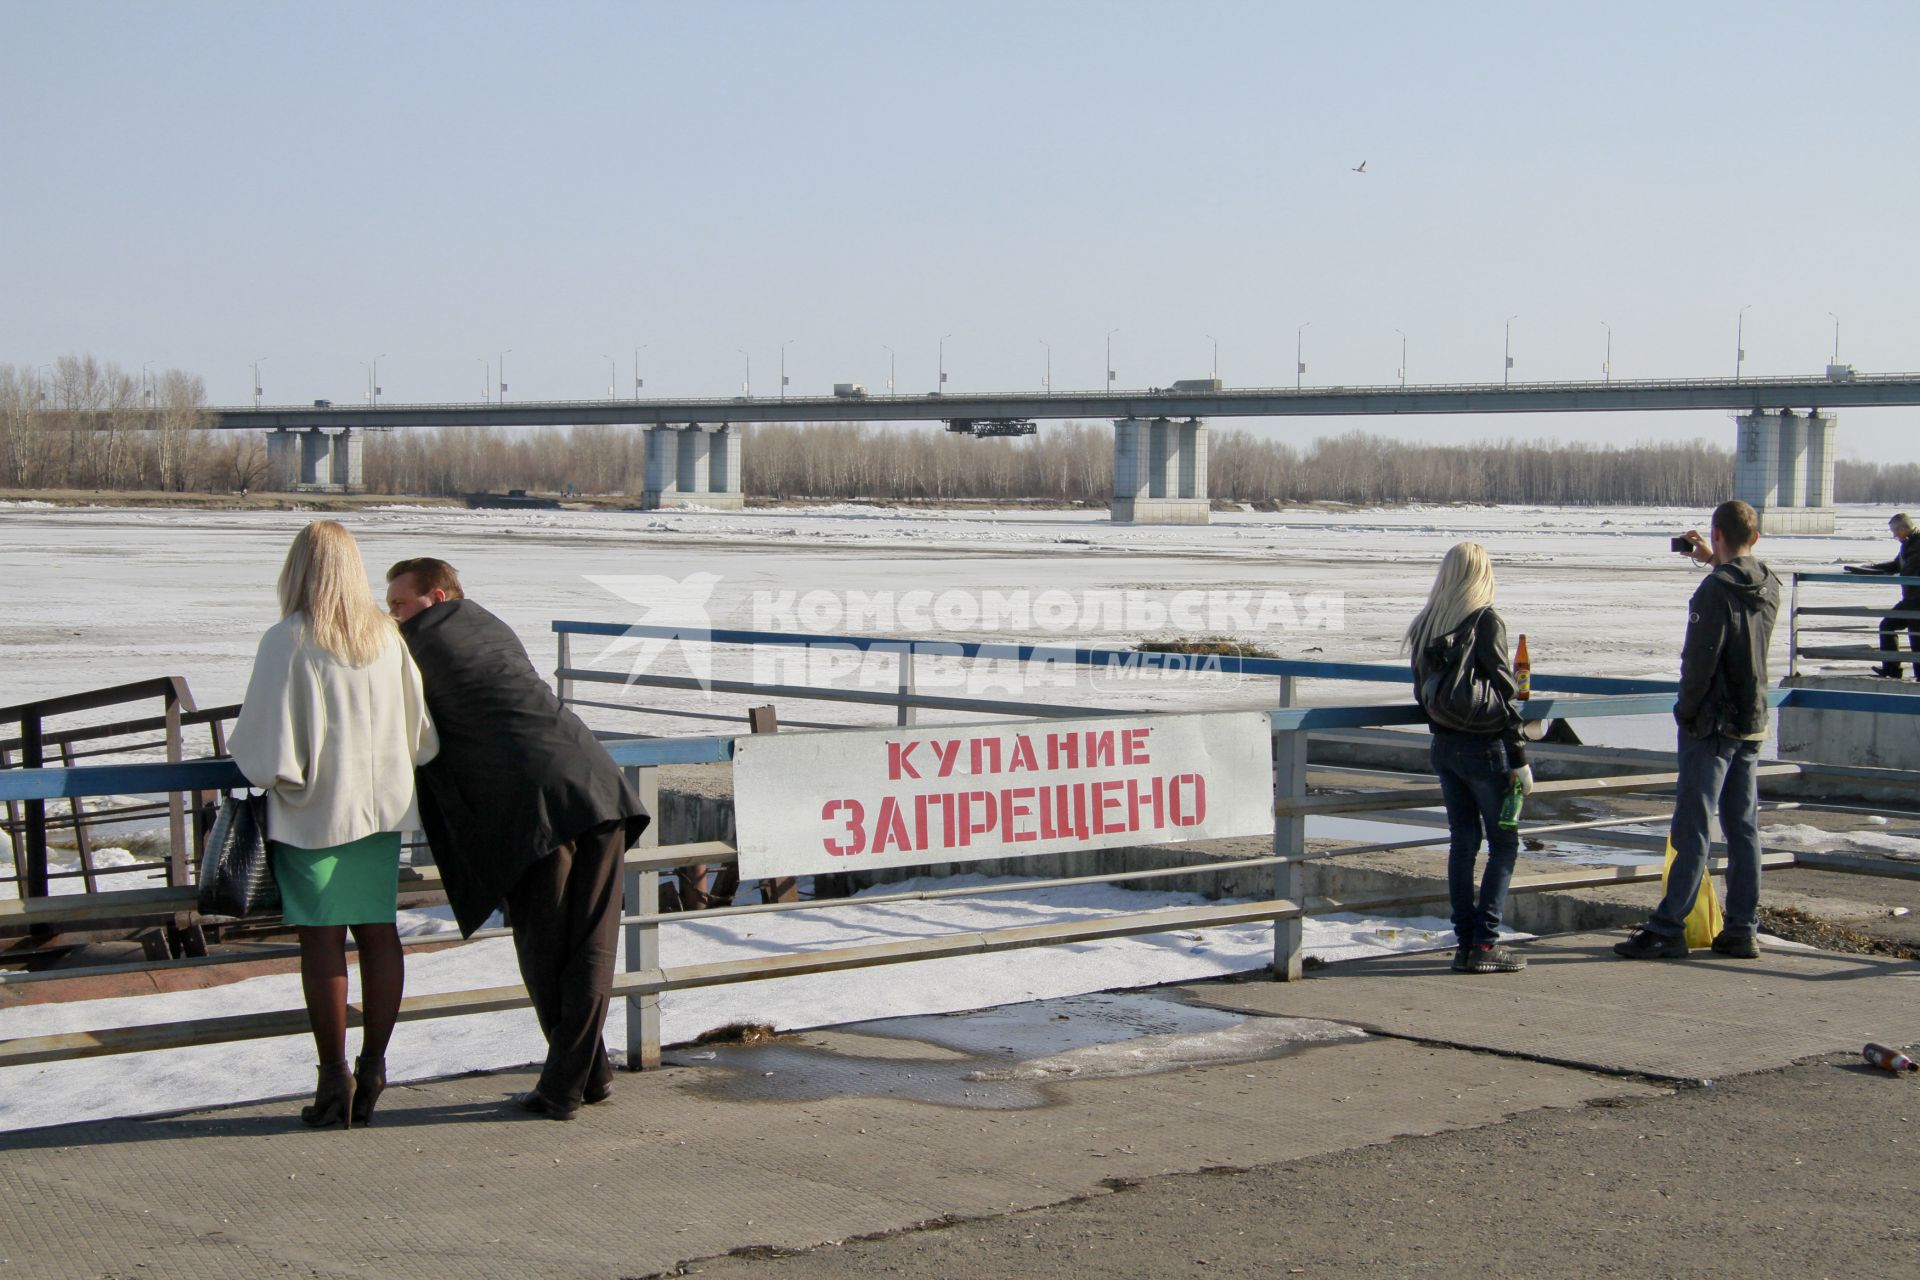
96 596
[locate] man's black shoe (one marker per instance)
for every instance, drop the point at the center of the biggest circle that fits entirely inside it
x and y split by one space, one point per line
1645 944
1741 946
597 1094
1462 961
541 1105
1491 957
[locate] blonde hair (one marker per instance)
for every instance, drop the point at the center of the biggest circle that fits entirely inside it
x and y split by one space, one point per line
325 581
1462 588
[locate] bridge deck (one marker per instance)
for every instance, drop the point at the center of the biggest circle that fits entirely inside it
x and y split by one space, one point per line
1254 402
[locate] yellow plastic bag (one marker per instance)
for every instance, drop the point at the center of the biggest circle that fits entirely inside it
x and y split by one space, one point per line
1704 922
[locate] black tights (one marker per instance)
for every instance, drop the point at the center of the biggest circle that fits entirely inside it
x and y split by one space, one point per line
323 977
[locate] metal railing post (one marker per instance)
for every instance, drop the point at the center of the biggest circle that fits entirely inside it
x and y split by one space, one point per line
562 685
33 883
1289 841
1793 629
905 714
642 897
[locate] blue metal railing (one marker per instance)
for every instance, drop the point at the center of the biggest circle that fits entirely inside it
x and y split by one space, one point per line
1869 649
1127 659
144 779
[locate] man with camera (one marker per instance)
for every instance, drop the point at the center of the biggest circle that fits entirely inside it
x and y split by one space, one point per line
1906 565
1722 714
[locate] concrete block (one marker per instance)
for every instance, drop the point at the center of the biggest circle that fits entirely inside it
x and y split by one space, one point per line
1851 737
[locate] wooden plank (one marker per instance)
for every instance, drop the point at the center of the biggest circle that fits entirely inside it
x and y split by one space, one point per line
1426 797
121 903
27 1050
755 968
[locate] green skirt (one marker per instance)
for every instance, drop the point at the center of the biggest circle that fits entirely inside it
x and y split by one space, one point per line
353 883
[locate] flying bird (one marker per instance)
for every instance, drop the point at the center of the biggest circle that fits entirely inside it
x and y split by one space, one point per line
1361 167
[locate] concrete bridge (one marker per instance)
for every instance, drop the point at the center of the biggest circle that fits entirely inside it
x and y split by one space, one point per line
1785 436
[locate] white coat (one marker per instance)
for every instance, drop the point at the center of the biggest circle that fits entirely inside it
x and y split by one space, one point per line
333 745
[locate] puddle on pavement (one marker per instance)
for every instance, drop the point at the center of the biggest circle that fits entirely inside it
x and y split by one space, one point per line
1002 1059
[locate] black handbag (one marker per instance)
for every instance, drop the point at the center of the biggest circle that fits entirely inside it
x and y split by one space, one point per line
1453 691
236 871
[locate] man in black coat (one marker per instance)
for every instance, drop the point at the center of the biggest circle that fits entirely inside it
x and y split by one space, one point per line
523 809
1906 565
1722 714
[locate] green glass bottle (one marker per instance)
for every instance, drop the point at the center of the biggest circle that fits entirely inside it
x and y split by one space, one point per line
1510 807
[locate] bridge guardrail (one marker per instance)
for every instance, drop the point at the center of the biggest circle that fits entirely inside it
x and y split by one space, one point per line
1096 393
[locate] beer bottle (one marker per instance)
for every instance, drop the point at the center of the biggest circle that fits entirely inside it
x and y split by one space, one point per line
1510 807
1523 669
1878 1055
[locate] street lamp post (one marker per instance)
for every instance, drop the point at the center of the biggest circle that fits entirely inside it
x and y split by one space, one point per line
783 367
257 389
1110 333
1299 349
612 377
1403 356
1606 370
1215 375
1047 381
373 379
890 362
503 374
941 388
637 383
1836 338
1506 369
1740 341
486 379
746 387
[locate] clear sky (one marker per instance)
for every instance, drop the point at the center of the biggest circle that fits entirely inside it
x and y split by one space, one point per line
433 183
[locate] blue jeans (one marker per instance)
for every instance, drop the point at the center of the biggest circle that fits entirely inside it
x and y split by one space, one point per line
1714 771
1473 780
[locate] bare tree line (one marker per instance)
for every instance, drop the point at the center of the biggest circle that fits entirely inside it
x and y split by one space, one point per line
1073 462
81 424
45 443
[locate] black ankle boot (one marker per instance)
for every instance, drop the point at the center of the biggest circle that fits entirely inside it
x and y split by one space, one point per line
332 1099
369 1079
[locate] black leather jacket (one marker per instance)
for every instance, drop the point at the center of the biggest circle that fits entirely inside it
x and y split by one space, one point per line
1490 656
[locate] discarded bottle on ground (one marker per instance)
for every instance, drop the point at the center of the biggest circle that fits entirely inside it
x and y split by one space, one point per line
1510 807
1886 1059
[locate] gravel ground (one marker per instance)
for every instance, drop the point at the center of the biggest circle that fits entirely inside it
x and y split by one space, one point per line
1802 1172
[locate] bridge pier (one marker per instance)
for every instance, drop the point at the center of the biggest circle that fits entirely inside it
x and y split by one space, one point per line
693 466
1159 471
315 460
1783 468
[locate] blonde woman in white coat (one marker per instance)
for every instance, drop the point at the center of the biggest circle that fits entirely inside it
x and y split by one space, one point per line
333 725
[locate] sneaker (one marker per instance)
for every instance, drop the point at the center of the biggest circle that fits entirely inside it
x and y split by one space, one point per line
1461 959
1491 957
1741 945
1645 944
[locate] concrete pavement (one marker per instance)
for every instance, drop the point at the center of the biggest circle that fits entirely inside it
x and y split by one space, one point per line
824 1136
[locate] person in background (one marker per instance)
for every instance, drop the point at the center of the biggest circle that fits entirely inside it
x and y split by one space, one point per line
1905 564
333 726
1476 770
1722 715
523 809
